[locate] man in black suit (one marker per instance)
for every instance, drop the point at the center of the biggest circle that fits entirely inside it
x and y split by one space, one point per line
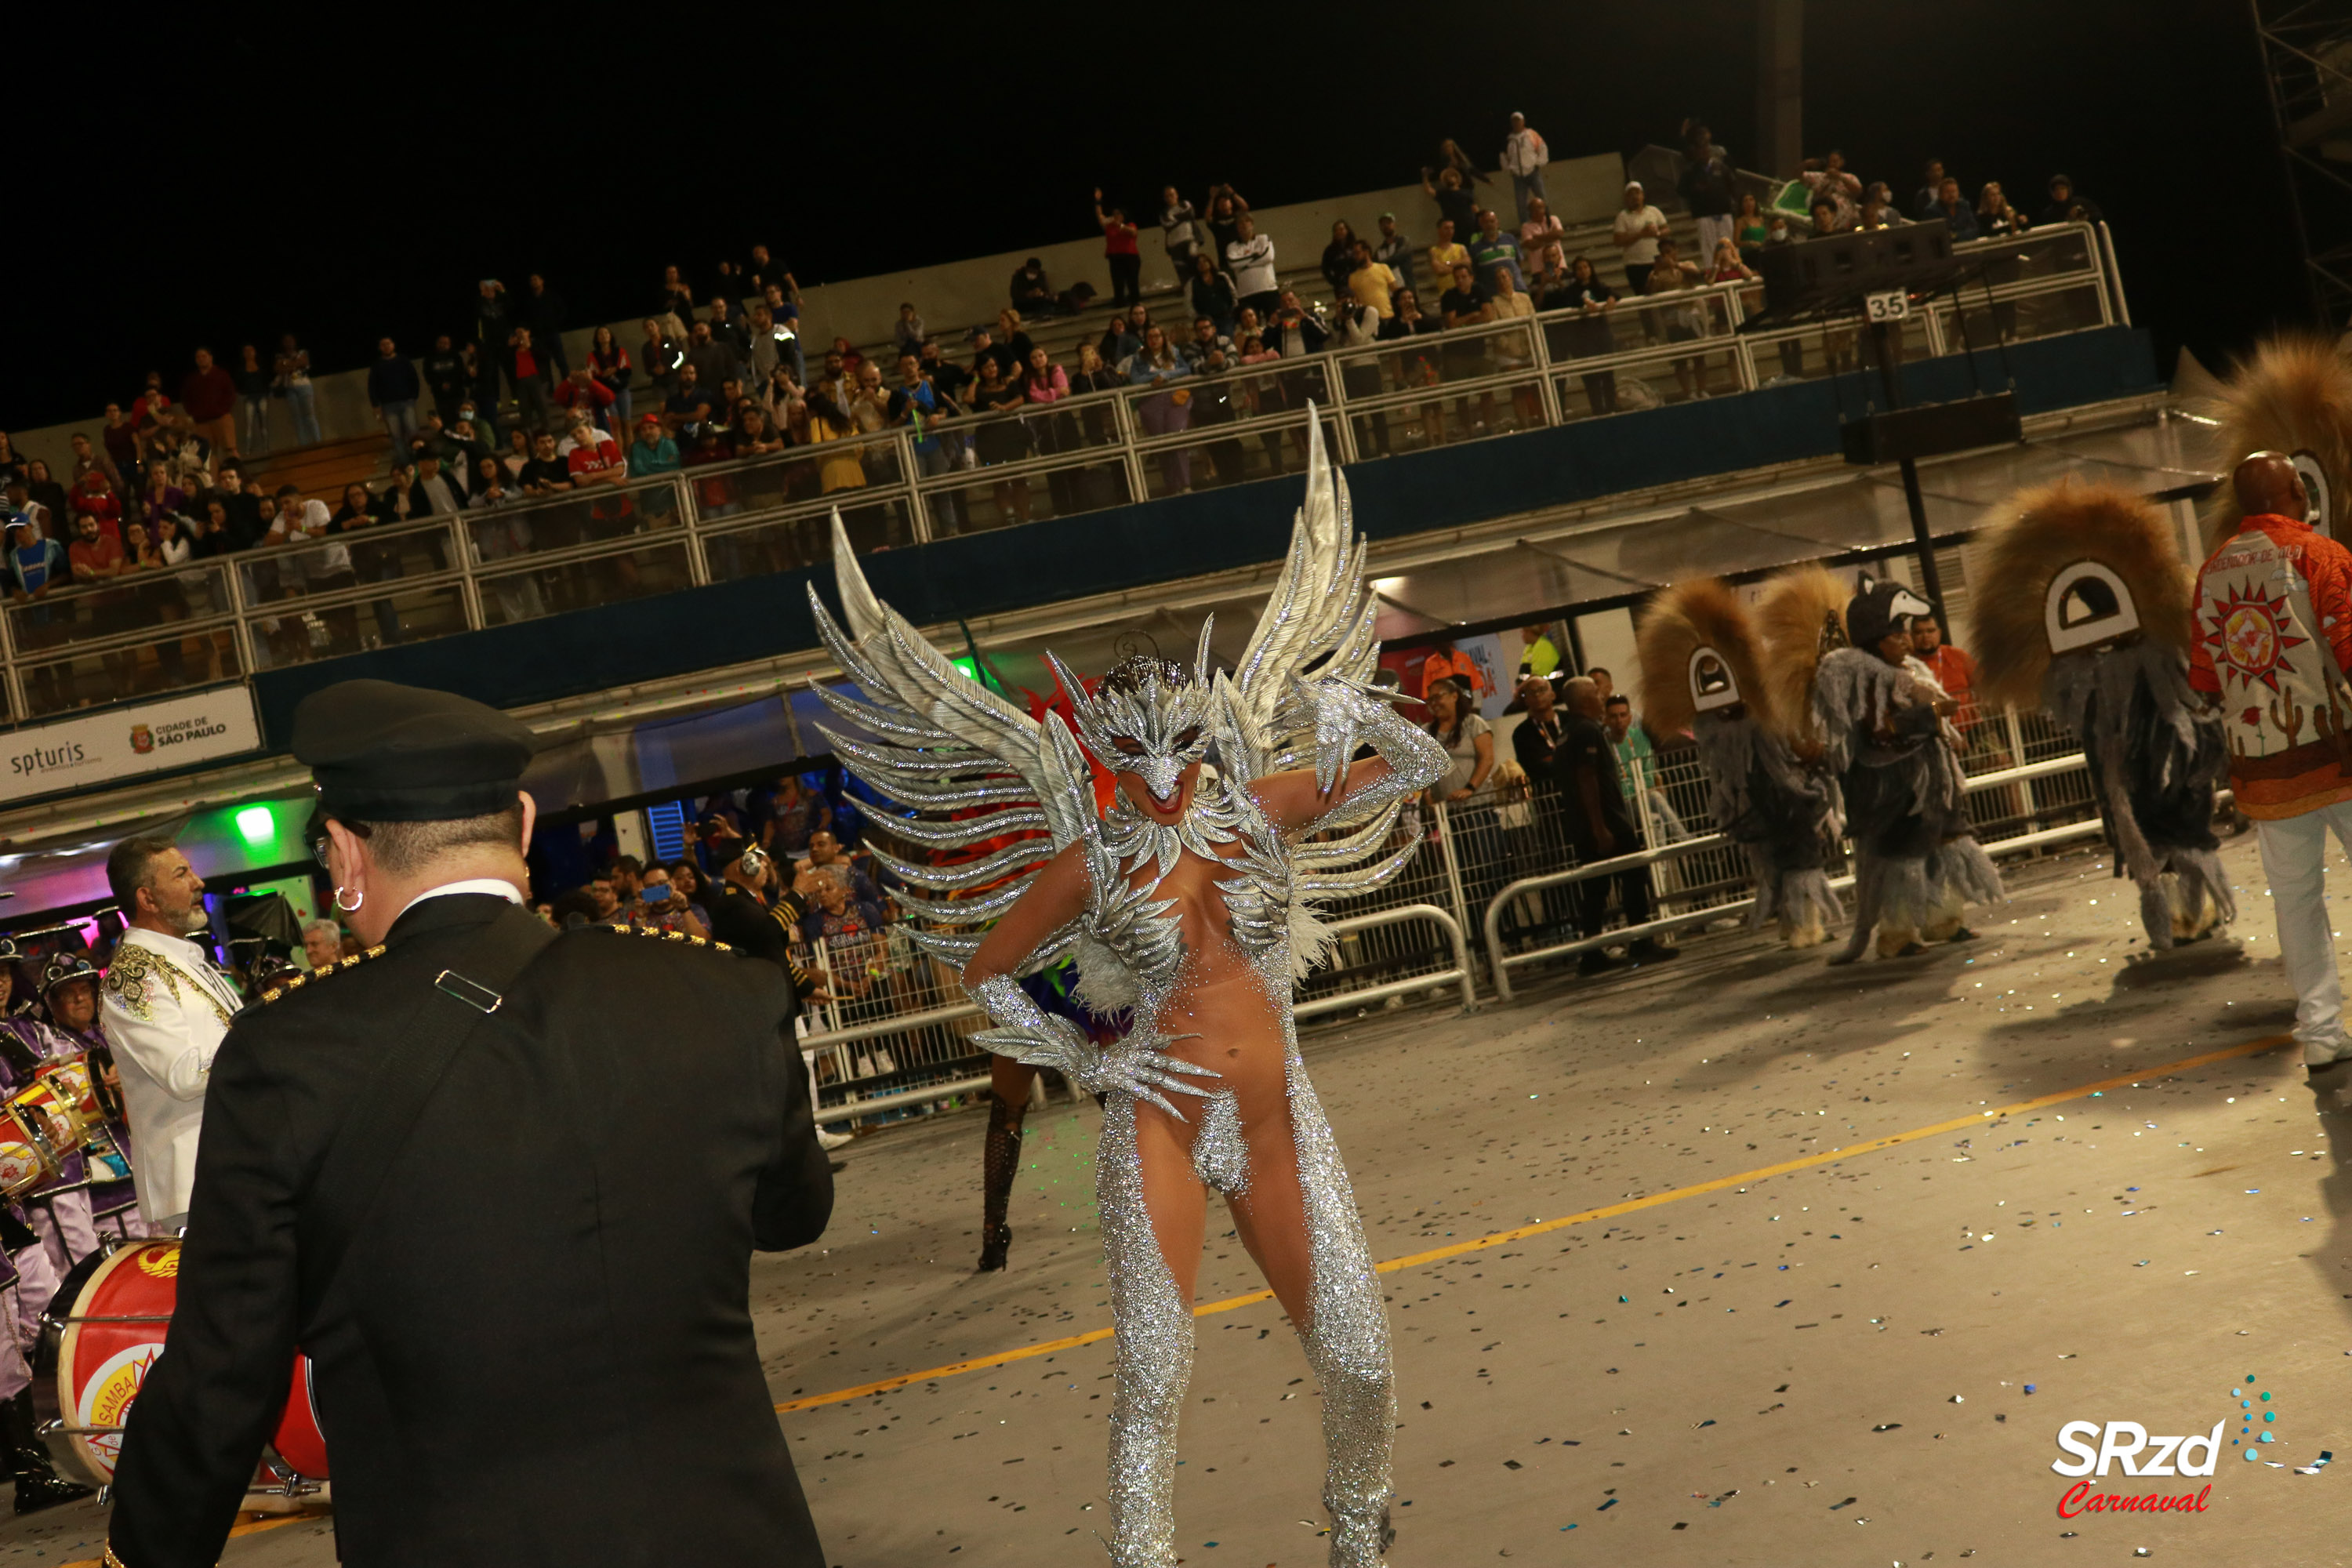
1598 825
449 1170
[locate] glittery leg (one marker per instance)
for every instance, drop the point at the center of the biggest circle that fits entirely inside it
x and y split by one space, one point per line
1154 1345
998 1163
1347 1339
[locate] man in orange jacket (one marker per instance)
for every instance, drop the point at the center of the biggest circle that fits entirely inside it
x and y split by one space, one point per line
2274 624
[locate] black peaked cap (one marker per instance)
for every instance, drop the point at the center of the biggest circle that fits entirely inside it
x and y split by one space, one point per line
384 752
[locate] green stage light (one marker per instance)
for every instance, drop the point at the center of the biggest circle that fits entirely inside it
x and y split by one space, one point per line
255 825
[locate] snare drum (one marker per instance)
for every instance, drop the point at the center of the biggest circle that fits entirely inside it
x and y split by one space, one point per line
106 1330
74 1096
28 1157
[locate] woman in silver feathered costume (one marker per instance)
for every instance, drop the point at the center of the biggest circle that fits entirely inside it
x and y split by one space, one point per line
1190 903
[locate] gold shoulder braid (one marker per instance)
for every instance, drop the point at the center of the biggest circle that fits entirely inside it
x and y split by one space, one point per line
341 963
127 976
665 935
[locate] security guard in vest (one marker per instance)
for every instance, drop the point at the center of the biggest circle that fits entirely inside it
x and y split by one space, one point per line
502 1185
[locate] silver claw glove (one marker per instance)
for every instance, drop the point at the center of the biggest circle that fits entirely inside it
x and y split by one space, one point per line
1345 715
1135 1065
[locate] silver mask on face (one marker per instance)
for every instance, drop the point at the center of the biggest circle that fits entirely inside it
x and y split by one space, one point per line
1152 707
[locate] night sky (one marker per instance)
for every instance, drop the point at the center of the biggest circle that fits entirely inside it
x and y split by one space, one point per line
247 171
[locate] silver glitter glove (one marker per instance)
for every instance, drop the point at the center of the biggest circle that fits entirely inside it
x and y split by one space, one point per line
1135 1065
1346 715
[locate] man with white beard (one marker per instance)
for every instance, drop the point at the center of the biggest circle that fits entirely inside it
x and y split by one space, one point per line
166 1009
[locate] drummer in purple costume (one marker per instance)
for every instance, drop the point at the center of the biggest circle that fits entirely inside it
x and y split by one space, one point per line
27 1283
58 1208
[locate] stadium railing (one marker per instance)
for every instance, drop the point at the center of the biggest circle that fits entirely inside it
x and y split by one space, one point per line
223 618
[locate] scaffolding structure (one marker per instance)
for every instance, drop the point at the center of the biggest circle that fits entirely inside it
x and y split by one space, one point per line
2306 53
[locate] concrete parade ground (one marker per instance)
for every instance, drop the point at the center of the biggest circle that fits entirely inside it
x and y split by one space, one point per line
1798 1267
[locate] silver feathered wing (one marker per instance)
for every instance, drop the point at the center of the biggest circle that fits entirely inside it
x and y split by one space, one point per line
943 744
1302 695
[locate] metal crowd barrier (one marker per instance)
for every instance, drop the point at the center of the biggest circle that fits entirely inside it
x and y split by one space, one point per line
222 619
922 1036
903 1041
1500 961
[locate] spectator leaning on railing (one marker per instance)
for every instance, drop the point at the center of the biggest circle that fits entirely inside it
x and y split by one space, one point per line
2066 207
1955 211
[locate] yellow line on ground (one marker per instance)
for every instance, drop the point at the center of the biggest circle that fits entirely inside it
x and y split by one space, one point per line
1583 1216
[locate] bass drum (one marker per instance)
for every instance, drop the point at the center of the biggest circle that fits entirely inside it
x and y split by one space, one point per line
99 1338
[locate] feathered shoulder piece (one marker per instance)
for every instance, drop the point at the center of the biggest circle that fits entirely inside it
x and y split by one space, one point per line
1802 617
1699 650
2076 566
2293 395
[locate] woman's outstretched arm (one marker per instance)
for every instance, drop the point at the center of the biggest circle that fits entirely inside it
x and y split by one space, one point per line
1405 760
1027 1032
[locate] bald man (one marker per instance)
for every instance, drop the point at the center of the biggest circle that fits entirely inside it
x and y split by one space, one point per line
2274 623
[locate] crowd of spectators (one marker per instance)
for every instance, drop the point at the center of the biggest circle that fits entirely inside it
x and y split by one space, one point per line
495 412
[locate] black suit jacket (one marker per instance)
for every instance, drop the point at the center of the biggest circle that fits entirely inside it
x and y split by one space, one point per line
539 1350
1534 753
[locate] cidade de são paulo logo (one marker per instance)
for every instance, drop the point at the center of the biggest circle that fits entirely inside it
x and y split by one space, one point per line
2095 1449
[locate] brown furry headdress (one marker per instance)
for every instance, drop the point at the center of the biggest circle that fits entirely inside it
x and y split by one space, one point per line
1701 612
1801 617
2293 395
2040 532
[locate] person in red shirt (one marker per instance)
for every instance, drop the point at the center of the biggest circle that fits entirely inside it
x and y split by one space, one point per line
582 390
208 395
598 465
95 556
2272 640
1954 670
94 496
147 411
1120 254
593 457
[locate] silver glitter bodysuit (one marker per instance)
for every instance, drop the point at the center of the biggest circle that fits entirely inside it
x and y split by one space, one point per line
1299 697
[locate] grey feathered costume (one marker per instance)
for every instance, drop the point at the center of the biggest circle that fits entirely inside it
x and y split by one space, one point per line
1702 674
2094 625
1916 860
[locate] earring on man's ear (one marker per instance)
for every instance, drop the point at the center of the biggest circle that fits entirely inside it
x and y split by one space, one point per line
353 907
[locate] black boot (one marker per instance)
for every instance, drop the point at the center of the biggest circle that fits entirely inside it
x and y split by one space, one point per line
998 1164
38 1485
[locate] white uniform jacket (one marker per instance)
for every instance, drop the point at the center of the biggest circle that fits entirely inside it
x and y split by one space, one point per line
165 1010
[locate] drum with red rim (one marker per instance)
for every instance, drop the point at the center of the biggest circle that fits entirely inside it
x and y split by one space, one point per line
73 1098
28 1157
107 1326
